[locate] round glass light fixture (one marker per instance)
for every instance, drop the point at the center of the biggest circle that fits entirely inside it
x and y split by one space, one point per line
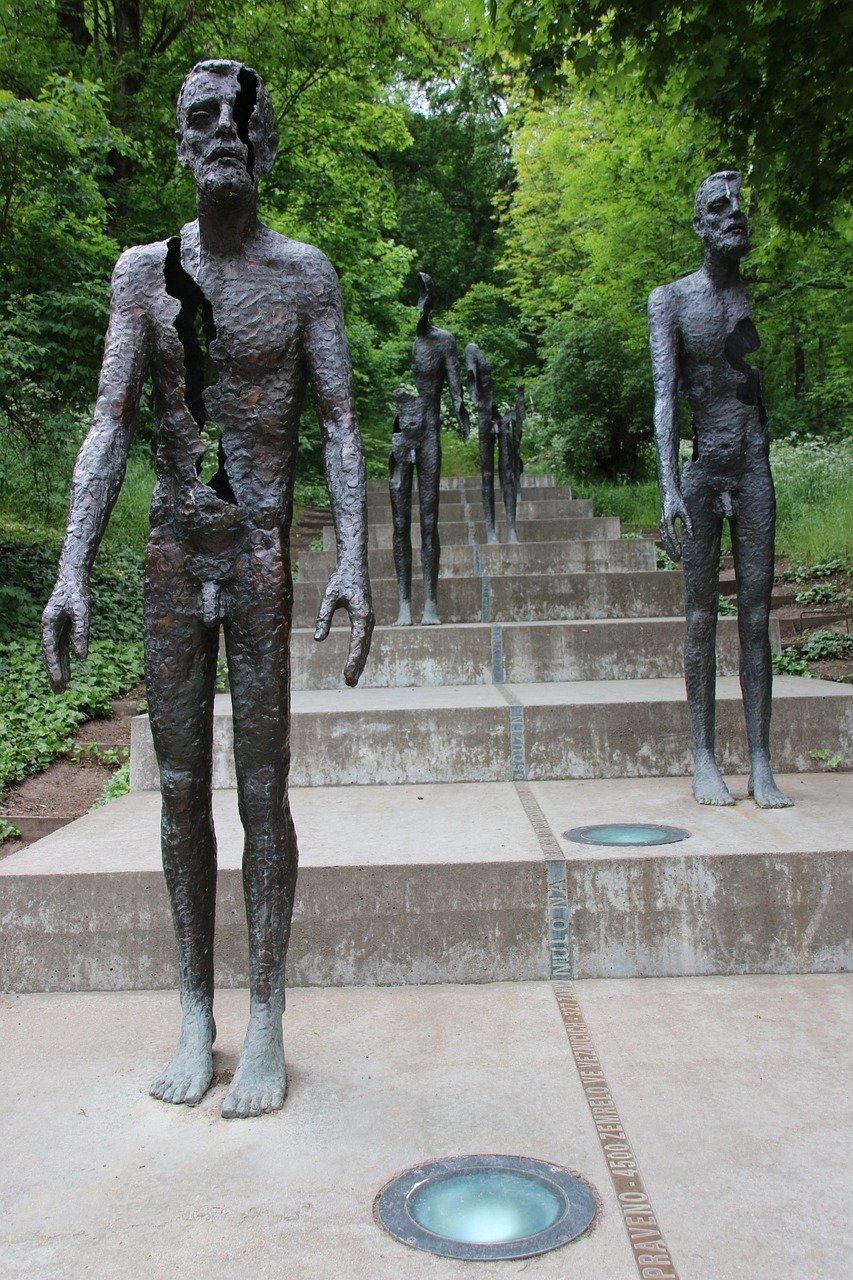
486 1208
626 833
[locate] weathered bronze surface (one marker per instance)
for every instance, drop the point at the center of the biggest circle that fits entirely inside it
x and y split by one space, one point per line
506 430
700 334
232 321
416 444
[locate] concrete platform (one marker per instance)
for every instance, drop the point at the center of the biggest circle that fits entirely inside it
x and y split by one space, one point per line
518 597
471 484
461 532
101 1181
495 733
482 653
455 507
423 889
603 555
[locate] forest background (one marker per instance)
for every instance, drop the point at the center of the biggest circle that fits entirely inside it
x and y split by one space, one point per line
539 160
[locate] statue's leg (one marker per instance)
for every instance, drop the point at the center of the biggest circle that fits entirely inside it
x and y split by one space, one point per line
701 597
180 675
400 484
487 472
259 611
753 533
429 475
506 469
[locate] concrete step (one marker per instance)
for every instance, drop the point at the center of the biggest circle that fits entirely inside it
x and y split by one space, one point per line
601 554
526 652
584 528
455 883
379 484
454 507
497 733
518 597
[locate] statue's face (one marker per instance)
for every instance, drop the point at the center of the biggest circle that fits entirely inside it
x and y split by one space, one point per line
225 153
720 222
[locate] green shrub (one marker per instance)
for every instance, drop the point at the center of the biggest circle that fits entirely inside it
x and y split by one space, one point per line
36 724
118 784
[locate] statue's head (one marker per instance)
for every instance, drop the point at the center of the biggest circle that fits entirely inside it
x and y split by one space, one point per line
717 216
425 298
226 130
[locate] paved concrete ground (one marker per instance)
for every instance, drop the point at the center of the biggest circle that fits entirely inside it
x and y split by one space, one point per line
733 1092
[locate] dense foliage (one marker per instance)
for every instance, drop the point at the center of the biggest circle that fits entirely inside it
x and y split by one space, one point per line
539 163
36 724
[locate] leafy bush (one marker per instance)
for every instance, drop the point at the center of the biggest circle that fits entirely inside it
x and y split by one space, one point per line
36 724
822 593
8 830
118 784
787 663
824 645
596 398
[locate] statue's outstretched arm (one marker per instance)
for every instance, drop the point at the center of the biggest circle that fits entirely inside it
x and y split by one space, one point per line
98 474
454 383
664 351
327 355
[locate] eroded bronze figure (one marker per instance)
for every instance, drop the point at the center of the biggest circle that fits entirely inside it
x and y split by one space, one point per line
232 321
700 335
416 445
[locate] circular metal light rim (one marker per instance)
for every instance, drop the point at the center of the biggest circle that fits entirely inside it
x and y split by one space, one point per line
391 1207
586 835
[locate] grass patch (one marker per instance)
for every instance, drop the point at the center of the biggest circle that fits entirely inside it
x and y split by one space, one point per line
632 503
814 511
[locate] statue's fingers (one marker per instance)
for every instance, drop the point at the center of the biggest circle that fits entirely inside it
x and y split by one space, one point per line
80 633
686 522
58 671
324 617
359 647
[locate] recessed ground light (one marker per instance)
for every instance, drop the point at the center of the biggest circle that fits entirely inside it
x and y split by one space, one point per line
626 833
486 1208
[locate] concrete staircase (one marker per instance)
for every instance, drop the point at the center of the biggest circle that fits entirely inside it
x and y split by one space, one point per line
431 802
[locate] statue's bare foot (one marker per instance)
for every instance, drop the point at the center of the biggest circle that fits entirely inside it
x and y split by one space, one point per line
429 617
763 788
259 1081
404 617
708 784
512 537
491 537
188 1076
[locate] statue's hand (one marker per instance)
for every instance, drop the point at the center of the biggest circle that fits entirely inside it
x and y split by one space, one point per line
65 618
673 509
348 587
464 423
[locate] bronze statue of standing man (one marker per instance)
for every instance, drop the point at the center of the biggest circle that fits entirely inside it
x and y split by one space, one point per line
700 334
416 443
233 322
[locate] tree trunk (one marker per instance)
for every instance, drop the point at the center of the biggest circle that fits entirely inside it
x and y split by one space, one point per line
71 17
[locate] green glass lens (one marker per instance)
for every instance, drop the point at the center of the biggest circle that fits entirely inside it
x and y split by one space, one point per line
485 1207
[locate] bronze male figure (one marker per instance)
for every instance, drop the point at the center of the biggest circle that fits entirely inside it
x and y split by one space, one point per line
416 443
232 321
700 334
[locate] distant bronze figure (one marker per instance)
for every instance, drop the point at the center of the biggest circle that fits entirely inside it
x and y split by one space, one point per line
416 444
700 334
232 321
493 427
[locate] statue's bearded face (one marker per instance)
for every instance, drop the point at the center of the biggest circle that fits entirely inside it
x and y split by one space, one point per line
221 138
719 220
